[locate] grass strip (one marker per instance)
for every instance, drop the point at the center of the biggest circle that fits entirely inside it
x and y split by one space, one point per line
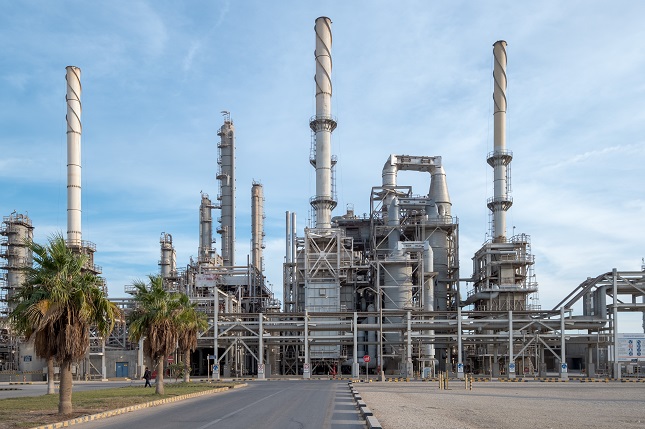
31 411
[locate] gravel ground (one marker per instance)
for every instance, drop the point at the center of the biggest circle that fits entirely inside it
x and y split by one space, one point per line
506 405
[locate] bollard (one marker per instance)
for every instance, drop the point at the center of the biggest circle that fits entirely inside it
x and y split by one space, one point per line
443 380
468 382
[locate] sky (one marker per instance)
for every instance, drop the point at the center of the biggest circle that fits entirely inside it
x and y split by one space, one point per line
415 78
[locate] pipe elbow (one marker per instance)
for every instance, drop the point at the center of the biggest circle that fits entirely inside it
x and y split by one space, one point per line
390 170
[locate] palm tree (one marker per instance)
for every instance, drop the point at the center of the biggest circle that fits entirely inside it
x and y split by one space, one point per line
191 322
155 317
25 318
58 304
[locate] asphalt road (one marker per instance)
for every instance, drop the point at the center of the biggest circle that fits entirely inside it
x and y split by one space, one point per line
268 404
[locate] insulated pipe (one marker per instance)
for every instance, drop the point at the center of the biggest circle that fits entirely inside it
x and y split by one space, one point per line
74 129
287 250
257 225
287 289
371 335
428 164
394 234
290 289
323 124
355 369
294 237
390 170
500 158
428 291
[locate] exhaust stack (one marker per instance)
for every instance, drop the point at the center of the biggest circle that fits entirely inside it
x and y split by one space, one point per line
500 158
74 129
322 125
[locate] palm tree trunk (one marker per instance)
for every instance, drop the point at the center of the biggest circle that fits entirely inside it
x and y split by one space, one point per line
187 366
51 389
159 384
65 395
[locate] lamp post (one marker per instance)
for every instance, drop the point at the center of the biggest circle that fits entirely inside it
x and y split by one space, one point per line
215 335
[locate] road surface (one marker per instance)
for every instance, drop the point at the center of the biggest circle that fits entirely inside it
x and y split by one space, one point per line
268 404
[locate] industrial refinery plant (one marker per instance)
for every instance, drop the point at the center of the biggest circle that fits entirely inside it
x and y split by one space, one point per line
381 293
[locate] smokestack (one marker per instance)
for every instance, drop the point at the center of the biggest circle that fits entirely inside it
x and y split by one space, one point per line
74 129
257 225
226 177
500 158
322 125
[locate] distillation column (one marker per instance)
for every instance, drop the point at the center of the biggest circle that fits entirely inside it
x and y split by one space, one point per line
438 237
16 231
323 124
206 250
397 288
226 177
168 260
257 225
74 129
500 158
290 285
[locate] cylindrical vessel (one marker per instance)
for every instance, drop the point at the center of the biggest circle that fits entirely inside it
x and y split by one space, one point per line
167 263
428 293
439 192
18 230
205 229
257 225
226 177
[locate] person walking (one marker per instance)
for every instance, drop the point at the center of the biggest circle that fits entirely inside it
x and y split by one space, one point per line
146 376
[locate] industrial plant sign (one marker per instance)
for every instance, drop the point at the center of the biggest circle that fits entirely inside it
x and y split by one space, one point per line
630 347
206 280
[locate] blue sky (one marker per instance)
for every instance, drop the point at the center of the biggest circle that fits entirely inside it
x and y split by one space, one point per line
415 78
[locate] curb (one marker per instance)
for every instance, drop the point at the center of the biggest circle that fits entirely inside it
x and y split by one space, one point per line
131 408
371 420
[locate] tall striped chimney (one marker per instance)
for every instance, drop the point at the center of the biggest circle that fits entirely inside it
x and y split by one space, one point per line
323 124
500 158
74 129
